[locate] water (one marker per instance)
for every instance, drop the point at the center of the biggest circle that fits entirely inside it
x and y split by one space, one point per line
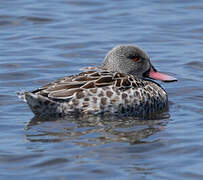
41 41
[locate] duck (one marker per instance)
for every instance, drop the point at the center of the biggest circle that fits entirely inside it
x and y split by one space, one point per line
123 85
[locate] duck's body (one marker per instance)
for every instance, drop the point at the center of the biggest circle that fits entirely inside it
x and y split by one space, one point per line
108 90
98 92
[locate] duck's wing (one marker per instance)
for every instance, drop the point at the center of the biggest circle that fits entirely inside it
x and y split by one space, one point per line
66 87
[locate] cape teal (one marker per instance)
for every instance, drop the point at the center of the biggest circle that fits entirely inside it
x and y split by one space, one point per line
121 86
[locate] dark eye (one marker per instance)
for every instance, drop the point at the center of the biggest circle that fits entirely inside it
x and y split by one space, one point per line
134 58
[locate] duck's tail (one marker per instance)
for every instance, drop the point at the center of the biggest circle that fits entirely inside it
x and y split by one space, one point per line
21 95
34 101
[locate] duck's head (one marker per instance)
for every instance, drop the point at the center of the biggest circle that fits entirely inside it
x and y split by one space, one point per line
133 60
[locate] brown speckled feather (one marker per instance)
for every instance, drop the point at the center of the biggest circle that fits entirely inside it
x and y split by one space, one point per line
98 92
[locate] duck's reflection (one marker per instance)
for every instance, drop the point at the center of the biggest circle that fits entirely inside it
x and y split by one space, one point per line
92 131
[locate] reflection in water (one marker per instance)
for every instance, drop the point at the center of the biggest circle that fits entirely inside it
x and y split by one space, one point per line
93 130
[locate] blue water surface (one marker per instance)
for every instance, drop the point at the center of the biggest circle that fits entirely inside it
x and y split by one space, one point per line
41 41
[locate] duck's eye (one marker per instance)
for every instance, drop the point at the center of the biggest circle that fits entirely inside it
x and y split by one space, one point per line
134 58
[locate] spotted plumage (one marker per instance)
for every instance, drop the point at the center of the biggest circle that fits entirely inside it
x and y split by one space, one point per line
107 90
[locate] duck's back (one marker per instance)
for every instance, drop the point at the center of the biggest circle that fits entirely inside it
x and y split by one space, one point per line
98 92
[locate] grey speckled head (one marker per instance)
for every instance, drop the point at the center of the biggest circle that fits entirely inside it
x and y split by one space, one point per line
127 59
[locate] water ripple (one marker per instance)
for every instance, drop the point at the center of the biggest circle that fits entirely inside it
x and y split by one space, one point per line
45 40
